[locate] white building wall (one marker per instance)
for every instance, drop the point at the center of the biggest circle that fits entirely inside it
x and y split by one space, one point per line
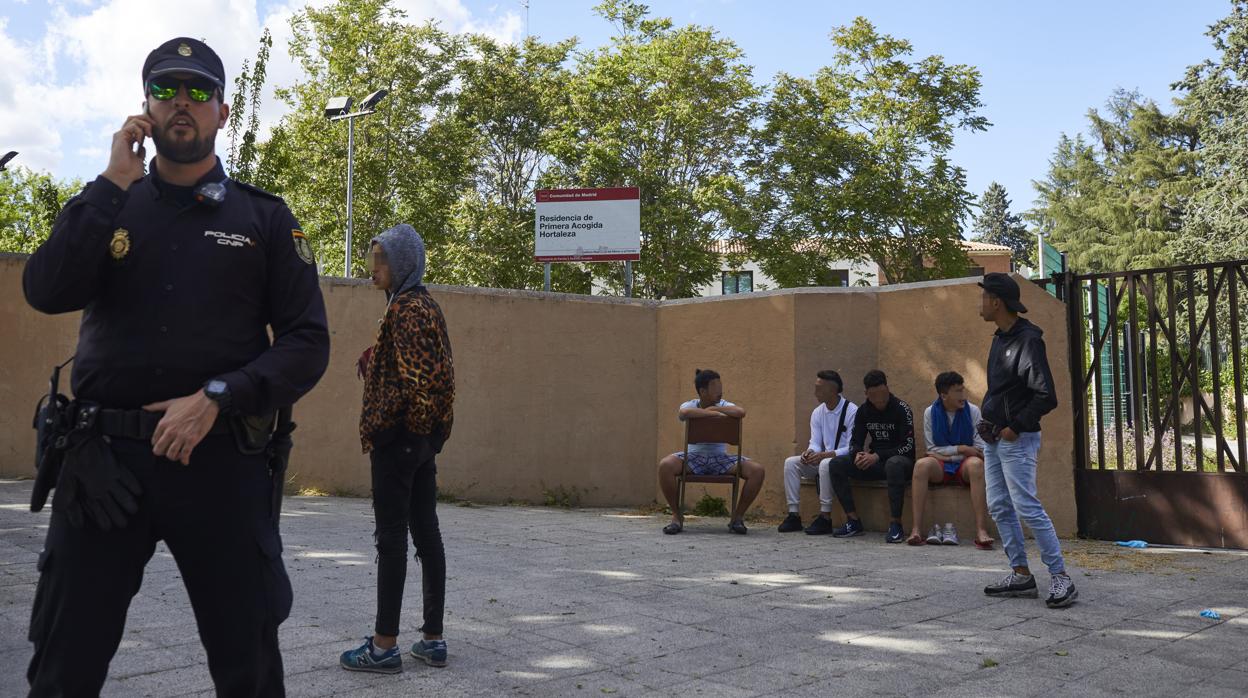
860 274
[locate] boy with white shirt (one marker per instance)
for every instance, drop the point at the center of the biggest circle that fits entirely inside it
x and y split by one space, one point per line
831 424
955 456
709 459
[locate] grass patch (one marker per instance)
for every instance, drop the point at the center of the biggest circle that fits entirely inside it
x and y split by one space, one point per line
710 506
562 497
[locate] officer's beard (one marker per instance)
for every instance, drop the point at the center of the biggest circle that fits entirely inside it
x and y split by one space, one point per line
184 151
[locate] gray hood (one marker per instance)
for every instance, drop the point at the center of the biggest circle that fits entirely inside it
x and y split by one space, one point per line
406 252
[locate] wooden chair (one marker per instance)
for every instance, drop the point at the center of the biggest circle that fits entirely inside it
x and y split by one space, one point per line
711 430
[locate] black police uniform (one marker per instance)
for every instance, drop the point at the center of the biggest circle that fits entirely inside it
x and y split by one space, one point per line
177 292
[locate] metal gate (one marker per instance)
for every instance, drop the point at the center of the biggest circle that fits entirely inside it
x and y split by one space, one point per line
1159 390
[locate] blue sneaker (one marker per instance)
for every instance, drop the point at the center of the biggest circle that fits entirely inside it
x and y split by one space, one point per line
852 527
433 652
894 533
363 658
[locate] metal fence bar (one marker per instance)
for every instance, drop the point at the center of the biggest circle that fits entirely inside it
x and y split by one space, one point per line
1154 397
1237 369
1095 360
1137 381
1193 348
1215 365
1174 372
1076 327
1116 370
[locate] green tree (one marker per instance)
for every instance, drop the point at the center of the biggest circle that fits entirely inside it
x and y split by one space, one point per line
667 110
244 123
412 157
1118 201
1216 227
996 225
29 204
511 97
853 163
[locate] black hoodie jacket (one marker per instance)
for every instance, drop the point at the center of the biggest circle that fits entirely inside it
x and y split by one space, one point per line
1020 384
891 429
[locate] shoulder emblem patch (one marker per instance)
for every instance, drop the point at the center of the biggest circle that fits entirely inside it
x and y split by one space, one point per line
119 246
302 247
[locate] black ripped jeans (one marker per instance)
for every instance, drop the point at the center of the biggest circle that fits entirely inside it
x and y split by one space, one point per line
405 497
896 471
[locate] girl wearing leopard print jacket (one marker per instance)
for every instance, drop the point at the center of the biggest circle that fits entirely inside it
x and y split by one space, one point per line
409 389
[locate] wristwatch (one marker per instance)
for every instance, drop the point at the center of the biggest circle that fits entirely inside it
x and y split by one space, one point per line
219 392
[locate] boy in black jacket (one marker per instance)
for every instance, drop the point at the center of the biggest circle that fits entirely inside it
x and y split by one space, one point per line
890 456
1020 392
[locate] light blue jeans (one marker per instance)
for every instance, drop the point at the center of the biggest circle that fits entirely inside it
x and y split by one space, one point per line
1010 477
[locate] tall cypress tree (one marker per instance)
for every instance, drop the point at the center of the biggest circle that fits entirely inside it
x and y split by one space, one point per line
995 224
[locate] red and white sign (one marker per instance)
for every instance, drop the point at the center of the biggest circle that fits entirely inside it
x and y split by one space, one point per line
587 225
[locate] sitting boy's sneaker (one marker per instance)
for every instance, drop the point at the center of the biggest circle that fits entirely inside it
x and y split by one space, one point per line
433 652
934 538
1061 592
895 534
950 536
791 523
1014 585
852 527
366 658
821 526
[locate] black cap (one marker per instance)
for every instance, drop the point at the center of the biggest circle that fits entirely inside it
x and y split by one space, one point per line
1003 286
184 55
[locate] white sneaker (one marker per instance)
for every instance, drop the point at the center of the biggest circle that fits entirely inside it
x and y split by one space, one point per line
950 536
933 538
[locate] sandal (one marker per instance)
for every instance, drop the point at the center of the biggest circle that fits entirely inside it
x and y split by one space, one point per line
985 544
673 528
738 527
915 539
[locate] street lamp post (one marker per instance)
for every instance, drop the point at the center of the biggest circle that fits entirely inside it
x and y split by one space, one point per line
4 160
337 109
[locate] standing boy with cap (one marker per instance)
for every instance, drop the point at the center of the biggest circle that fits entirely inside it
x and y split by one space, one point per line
1020 392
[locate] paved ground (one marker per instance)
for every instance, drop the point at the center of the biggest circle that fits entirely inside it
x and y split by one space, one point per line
549 602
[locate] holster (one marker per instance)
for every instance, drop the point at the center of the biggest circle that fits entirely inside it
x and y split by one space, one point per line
252 433
54 420
279 446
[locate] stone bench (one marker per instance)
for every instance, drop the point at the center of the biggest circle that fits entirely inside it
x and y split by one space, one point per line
945 503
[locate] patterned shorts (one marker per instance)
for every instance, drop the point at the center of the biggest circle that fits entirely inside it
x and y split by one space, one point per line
710 463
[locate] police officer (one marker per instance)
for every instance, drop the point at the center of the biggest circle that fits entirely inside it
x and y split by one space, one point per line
180 274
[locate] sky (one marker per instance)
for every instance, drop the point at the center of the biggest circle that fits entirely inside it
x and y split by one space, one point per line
71 67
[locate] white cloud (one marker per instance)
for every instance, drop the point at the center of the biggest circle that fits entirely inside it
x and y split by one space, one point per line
97 51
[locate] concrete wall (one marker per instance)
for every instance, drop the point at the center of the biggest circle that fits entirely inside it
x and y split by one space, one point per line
577 395
555 393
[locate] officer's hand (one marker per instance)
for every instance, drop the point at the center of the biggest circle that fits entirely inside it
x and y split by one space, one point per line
126 162
186 422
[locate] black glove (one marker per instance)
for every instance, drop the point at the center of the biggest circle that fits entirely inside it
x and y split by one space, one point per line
94 485
988 431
